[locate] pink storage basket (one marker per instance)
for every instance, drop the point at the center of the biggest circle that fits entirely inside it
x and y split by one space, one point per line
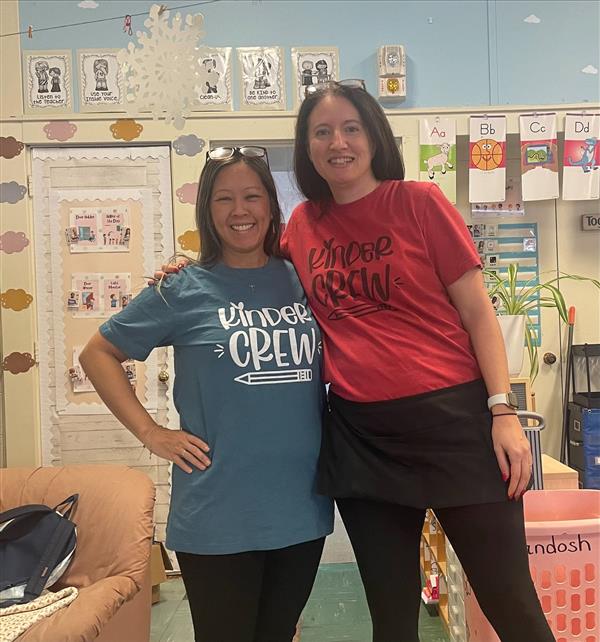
563 536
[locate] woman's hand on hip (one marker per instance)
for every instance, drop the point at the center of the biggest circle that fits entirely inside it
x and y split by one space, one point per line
182 448
513 453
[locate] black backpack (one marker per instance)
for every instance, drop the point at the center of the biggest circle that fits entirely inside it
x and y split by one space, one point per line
37 543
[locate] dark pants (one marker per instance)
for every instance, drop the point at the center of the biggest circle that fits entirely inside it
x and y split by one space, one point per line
489 540
256 596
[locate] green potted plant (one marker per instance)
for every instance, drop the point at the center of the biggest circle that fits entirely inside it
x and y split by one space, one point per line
516 301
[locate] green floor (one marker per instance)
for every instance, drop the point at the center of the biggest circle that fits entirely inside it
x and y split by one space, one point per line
336 611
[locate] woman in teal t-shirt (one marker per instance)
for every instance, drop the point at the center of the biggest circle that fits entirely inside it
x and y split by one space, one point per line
245 520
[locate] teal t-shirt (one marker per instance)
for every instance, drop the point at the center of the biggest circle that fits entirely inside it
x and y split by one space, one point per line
248 382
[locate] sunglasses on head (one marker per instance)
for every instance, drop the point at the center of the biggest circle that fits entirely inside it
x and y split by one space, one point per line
249 151
351 83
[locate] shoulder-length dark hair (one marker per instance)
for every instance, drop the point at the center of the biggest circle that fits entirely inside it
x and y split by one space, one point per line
387 161
211 247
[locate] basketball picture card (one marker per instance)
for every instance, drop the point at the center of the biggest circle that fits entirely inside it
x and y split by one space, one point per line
437 157
581 159
487 159
539 156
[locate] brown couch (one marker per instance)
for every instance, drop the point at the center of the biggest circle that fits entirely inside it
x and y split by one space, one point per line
114 518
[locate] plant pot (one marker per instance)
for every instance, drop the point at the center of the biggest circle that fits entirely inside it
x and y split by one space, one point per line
513 333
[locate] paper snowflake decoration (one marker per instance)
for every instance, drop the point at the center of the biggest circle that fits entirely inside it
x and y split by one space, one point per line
161 73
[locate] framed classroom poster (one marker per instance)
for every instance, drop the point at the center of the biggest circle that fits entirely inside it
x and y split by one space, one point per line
100 80
47 82
311 66
213 91
261 78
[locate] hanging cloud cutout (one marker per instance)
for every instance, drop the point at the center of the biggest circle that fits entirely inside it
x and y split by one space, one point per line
590 69
88 4
532 19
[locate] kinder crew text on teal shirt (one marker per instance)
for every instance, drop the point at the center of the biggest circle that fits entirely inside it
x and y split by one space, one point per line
247 354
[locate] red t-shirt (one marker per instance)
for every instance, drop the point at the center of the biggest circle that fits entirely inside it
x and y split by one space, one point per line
375 273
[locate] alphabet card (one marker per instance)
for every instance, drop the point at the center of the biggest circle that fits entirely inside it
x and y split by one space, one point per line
437 157
261 77
581 160
539 156
47 81
487 158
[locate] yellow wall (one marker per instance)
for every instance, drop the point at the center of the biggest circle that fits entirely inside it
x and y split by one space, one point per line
19 328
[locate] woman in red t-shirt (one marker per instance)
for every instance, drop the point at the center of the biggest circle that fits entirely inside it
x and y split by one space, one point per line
420 410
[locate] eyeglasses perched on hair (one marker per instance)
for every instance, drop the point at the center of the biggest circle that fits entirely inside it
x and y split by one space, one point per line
351 83
249 151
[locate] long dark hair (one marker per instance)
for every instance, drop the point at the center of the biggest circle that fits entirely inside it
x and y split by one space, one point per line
387 161
211 249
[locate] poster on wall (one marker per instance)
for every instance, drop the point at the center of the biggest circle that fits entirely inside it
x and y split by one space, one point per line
261 78
100 80
47 81
98 229
487 158
581 159
98 295
539 156
313 66
437 156
213 91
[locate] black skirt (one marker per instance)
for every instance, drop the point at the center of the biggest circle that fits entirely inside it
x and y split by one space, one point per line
432 450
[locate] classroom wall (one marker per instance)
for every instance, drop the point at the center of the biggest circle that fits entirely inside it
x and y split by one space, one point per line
460 52
471 54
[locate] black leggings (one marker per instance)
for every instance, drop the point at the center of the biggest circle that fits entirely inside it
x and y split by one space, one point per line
256 596
489 540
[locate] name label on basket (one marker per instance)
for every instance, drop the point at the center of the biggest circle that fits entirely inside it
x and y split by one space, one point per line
552 548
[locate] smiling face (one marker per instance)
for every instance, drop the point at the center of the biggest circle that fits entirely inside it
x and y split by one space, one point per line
241 214
340 150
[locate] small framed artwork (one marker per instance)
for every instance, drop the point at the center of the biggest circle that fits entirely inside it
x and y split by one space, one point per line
261 78
47 81
213 91
101 85
311 66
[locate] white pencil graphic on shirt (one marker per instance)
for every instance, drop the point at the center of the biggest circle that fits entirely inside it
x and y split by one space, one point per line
279 376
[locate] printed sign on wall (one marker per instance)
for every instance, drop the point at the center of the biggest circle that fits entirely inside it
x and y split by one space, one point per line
213 91
100 80
261 77
487 159
581 160
313 66
539 156
438 153
47 81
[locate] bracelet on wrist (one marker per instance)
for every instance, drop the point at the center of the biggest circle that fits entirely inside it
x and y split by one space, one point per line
505 414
